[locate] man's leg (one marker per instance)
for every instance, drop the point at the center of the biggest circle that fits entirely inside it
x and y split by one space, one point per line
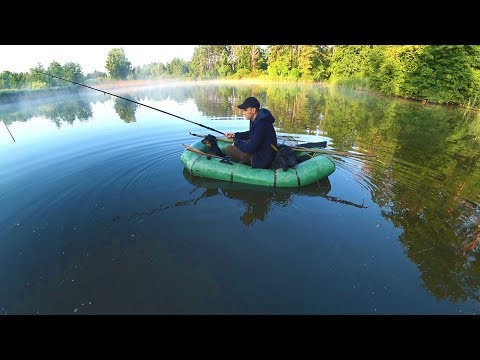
237 155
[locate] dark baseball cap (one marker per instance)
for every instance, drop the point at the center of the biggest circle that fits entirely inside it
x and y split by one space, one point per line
249 102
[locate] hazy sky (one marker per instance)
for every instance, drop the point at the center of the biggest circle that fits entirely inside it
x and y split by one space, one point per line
21 58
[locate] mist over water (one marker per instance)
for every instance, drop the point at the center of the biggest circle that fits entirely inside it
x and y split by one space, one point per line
98 215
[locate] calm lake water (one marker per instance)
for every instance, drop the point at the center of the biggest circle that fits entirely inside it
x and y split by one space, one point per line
98 215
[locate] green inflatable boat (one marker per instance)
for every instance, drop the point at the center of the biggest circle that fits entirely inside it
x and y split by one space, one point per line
196 161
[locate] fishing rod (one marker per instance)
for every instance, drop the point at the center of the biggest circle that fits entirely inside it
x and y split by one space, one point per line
9 131
151 107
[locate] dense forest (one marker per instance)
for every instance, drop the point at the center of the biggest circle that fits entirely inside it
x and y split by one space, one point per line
442 74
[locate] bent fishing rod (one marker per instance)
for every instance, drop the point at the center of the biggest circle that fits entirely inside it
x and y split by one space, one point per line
136 102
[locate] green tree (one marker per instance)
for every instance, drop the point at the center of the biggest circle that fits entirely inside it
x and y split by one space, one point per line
70 71
445 74
147 71
118 66
279 61
158 70
314 62
210 61
36 79
9 80
73 71
55 69
96 75
247 60
225 69
177 67
200 62
348 63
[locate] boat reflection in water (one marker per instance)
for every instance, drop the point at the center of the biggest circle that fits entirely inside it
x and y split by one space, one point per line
258 200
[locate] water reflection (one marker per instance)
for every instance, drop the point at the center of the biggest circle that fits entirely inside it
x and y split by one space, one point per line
59 106
257 200
126 109
425 179
443 242
58 112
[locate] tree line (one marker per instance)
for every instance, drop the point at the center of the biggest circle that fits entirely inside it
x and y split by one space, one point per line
443 74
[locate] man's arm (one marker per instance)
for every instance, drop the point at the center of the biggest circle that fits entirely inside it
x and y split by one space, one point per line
244 135
254 143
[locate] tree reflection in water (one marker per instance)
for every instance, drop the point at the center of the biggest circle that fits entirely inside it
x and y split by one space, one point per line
126 109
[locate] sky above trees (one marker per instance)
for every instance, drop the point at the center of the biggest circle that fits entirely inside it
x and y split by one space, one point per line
21 58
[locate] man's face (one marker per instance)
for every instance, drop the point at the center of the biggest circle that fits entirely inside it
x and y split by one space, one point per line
248 113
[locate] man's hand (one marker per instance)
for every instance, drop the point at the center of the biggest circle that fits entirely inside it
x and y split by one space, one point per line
230 135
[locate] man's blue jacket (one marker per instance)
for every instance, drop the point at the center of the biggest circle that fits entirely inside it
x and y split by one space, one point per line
259 139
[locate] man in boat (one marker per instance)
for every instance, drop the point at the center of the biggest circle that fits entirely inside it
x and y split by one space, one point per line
254 147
